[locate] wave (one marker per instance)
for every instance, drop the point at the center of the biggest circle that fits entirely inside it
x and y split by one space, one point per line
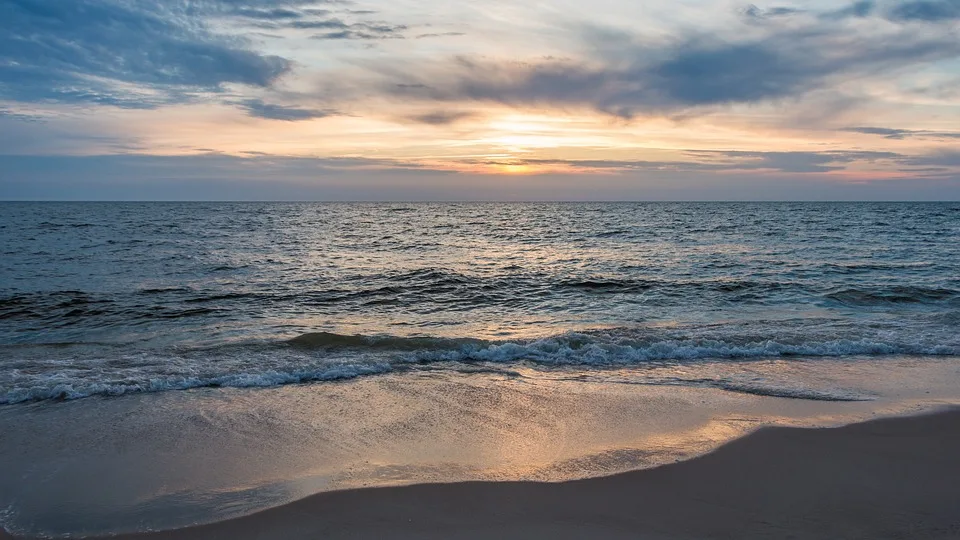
428 291
584 350
680 287
893 295
870 266
613 233
328 340
70 372
62 390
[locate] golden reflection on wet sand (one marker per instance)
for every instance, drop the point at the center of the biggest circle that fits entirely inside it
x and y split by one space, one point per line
208 454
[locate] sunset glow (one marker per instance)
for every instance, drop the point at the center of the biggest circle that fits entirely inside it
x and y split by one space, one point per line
784 97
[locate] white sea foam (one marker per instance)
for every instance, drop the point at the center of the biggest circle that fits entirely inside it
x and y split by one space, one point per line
55 387
579 349
331 357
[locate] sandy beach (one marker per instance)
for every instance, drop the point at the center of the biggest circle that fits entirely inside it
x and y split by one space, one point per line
888 478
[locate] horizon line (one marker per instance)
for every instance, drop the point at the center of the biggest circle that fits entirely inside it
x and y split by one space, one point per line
486 201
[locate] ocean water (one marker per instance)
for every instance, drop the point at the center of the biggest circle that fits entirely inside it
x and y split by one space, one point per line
167 364
105 299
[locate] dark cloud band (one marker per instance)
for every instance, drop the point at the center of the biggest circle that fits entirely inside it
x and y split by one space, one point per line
121 53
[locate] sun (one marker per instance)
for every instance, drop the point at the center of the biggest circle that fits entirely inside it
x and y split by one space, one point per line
515 169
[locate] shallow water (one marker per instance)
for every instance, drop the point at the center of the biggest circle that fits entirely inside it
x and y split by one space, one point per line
163 460
113 298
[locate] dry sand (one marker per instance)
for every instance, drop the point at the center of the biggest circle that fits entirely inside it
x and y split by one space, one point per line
889 478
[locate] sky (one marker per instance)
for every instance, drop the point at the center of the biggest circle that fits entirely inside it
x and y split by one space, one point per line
479 100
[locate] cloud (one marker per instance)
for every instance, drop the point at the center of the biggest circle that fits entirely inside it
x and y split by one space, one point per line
342 30
441 118
440 34
337 24
294 16
944 158
929 11
259 109
223 177
926 10
900 134
266 13
213 177
887 133
23 117
939 164
127 54
861 9
626 76
798 162
753 12
785 60
293 19
354 34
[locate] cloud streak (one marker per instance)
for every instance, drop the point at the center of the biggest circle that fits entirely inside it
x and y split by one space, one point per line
285 18
222 177
901 134
441 118
797 162
271 111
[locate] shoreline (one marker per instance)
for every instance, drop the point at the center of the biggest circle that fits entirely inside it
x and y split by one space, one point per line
877 479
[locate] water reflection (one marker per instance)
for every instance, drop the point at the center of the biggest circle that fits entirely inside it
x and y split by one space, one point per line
176 458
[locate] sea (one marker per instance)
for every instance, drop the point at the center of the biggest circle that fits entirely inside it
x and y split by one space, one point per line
118 298
436 341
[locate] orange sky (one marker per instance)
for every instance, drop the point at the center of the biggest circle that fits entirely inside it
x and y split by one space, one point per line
861 93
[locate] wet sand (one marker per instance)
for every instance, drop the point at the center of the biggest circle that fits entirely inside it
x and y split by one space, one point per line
888 478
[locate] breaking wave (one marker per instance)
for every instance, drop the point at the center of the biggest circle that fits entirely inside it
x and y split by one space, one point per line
65 372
